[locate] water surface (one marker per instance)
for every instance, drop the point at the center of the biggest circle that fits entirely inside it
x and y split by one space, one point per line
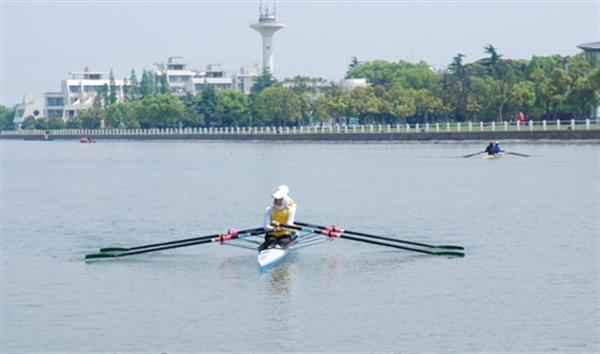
529 282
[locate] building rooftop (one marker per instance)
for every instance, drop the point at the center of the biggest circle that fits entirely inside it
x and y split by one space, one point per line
590 47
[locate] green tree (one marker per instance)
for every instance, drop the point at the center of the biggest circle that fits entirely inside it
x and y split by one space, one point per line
363 103
92 118
235 108
278 106
209 106
163 84
112 89
28 123
7 117
105 95
192 116
160 111
353 63
264 80
56 123
41 124
403 102
522 97
133 90
147 84
121 115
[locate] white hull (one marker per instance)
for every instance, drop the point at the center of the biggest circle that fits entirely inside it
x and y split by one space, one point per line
487 156
271 256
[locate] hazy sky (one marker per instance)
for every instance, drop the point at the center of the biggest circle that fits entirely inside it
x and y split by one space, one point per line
42 41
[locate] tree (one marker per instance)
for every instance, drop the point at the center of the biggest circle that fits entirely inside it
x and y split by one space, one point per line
112 96
56 123
457 91
493 61
522 97
91 118
163 84
105 95
209 105
403 102
265 80
363 103
7 117
353 63
278 106
160 111
121 115
28 123
192 116
133 90
235 108
147 84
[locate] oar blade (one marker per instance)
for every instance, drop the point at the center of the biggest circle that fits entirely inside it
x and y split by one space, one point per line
450 247
449 254
99 256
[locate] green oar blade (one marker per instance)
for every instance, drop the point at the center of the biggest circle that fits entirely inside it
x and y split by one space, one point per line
114 249
450 247
449 253
95 256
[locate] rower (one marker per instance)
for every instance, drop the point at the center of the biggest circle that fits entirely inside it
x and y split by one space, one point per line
490 148
497 148
281 212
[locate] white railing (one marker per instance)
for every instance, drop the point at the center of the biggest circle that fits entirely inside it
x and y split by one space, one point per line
447 127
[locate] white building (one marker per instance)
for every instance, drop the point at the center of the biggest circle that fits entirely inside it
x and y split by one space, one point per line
32 106
246 78
77 93
179 76
351 84
183 80
214 76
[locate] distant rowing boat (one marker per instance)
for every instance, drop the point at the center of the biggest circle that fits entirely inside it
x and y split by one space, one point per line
486 156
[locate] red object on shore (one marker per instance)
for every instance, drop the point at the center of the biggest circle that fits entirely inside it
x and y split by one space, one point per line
86 139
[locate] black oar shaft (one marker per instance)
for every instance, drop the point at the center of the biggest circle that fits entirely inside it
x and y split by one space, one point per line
199 238
129 253
385 244
380 237
342 234
251 232
374 236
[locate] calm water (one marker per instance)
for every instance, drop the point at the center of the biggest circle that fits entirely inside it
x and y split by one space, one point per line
529 282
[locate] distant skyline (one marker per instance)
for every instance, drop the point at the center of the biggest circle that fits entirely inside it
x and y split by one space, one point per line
42 41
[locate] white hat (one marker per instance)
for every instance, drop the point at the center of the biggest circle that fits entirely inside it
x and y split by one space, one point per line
279 194
284 189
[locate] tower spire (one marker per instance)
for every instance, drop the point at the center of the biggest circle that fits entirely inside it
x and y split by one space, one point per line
266 26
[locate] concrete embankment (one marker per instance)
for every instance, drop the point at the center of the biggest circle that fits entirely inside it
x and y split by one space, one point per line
585 135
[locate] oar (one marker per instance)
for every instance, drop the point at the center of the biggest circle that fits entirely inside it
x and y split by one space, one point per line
470 155
447 247
516 153
340 234
219 238
127 249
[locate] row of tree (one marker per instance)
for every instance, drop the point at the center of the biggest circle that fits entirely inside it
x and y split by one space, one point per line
491 88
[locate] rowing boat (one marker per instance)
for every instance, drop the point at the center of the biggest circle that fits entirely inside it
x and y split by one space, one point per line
486 156
307 235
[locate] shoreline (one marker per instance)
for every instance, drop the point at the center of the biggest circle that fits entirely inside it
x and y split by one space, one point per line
570 136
